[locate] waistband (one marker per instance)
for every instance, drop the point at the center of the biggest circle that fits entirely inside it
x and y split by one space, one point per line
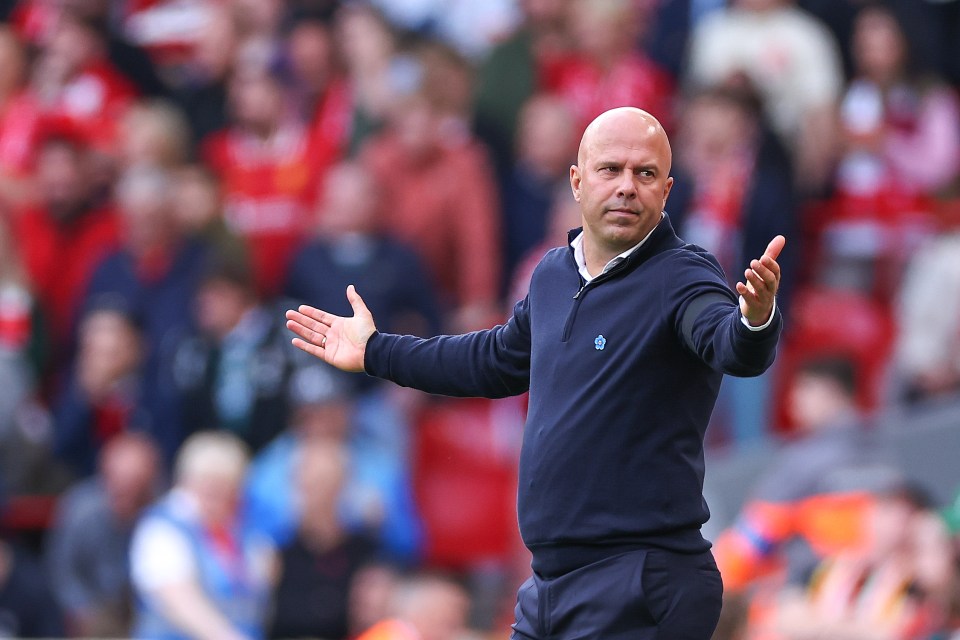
552 560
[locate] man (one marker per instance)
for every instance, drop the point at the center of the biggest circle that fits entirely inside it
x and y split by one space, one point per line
198 570
610 488
232 371
88 545
424 607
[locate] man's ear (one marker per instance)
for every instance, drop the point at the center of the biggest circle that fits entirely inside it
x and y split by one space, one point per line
575 179
666 191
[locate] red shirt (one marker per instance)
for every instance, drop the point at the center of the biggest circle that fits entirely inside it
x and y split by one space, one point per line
269 191
446 208
633 80
19 126
61 258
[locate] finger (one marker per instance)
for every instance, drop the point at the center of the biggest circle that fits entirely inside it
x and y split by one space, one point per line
359 306
309 323
308 334
748 297
766 275
754 282
312 349
316 314
771 264
775 247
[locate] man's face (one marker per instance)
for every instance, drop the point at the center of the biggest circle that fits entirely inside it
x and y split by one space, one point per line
622 180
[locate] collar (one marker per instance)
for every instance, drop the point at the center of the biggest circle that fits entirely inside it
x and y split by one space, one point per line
577 245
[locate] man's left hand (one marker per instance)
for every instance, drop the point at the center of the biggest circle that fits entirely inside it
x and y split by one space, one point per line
762 282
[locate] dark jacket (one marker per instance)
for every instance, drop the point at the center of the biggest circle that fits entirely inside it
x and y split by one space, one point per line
623 373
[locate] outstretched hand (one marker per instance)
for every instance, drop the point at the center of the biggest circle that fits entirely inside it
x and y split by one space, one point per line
762 281
338 341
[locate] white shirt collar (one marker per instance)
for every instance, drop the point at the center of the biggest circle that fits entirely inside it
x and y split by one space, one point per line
577 244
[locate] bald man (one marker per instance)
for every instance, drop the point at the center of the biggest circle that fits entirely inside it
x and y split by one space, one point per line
622 342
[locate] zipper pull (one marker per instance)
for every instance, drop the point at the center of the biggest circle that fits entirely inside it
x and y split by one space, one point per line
582 287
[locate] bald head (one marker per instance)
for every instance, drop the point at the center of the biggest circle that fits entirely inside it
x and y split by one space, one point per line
621 181
615 124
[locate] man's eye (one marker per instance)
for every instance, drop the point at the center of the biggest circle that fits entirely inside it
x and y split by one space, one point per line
608 169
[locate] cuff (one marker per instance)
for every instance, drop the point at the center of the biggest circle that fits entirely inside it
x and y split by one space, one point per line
765 325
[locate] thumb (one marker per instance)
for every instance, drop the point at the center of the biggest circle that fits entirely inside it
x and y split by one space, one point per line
775 247
359 306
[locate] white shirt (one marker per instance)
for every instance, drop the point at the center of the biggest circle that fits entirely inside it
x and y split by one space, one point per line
581 259
161 554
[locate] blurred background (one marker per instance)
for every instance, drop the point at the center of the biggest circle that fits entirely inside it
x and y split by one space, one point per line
176 173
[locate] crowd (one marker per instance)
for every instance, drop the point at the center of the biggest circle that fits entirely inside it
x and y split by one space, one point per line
175 173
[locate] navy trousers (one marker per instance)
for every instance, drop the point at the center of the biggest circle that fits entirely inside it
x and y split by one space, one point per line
647 594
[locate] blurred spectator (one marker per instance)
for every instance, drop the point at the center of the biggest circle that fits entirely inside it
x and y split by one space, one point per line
27 610
154 133
472 27
155 276
37 20
197 570
666 30
547 139
104 395
70 225
74 79
515 70
367 46
21 330
377 496
606 69
741 182
199 84
323 94
18 119
233 371
926 361
425 607
88 545
25 435
901 130
812 500
793 62
443 203
895 586
259 22
168 30
319 564
370 596
739 189
268 170
198 207
351 248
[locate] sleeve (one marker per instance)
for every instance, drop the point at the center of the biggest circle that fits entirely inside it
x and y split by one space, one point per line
63 559
160 555
707 320
494 363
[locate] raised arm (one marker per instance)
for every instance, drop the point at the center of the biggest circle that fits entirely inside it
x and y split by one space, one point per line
491 363
740 342
762 277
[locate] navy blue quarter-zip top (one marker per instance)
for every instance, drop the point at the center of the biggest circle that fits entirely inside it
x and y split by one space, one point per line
623 373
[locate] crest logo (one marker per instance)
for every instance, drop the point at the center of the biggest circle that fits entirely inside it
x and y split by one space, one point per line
600 342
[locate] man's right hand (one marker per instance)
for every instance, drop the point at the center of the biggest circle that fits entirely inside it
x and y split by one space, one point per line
341 342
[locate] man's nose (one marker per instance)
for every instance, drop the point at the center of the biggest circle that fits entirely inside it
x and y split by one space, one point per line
627 188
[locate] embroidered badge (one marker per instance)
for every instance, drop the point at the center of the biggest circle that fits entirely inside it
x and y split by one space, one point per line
600 342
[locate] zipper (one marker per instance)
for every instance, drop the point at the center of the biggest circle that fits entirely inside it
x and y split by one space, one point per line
578 296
